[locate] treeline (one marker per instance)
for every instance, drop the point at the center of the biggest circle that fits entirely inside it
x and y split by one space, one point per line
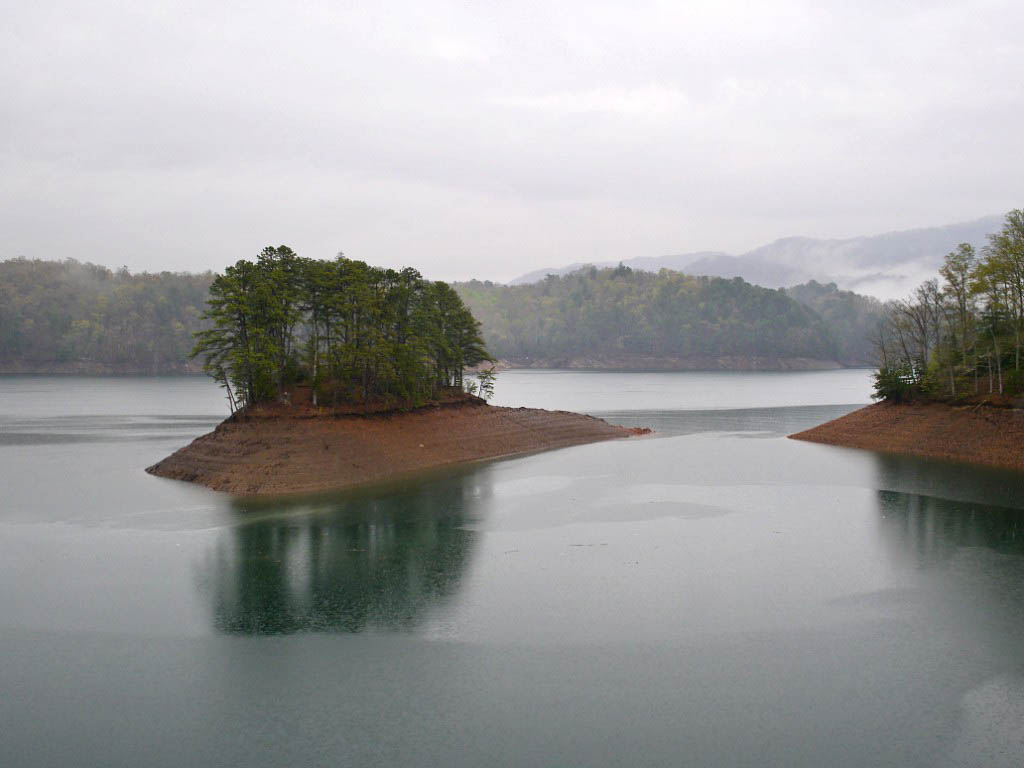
619 313
850 319
353 332
63 315
960 334
82 317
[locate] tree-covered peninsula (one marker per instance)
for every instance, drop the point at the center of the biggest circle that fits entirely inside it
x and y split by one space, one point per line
962 334
951 376
351 332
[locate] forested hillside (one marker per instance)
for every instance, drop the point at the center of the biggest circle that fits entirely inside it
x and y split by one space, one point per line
852 319
623 318
67 316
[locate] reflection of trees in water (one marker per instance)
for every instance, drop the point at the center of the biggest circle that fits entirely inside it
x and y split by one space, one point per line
365 561
948 480
926 517
968 556
932 528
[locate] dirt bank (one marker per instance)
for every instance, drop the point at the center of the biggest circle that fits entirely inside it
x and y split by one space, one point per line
979 434
284 450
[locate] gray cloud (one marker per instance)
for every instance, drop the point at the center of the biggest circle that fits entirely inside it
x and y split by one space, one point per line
490 139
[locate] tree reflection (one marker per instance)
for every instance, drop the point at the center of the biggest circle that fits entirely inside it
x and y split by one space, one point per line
366 560
932 526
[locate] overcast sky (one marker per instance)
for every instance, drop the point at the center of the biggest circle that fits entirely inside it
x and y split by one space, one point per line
489 139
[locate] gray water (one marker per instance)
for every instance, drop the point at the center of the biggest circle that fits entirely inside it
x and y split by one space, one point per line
713 595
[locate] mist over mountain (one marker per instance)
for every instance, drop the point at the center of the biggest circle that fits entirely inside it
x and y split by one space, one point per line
886 266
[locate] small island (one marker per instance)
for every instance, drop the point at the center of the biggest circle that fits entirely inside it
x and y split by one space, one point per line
278 449
950 382
338 374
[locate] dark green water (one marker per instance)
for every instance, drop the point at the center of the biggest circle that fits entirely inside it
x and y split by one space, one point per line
717 595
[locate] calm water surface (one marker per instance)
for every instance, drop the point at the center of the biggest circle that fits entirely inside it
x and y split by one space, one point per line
714 595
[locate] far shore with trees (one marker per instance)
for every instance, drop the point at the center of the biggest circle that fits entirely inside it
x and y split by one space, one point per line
69 317
625 318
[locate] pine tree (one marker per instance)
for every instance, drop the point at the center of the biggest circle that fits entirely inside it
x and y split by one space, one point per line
356 333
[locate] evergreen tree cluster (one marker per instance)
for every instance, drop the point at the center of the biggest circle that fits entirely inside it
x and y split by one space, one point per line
963 335
353 332
617 313
64 313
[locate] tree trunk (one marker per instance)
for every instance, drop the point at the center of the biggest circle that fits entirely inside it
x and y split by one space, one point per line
231 396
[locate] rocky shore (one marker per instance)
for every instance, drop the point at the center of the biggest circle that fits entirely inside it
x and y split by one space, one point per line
278 449
980 434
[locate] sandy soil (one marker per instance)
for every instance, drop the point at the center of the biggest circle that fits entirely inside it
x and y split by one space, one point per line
286 450
978 434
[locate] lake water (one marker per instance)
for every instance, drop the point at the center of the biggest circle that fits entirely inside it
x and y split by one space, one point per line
715 595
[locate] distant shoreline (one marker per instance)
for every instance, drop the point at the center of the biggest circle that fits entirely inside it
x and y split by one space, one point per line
281 450
637 363
89 368
977 434
634 364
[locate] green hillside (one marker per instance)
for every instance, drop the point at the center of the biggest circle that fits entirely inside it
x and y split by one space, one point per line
616 316
68 316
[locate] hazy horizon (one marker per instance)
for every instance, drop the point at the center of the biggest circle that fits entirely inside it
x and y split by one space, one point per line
488 141
883 290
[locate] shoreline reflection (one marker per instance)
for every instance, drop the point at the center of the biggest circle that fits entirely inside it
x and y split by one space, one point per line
362 561
950 507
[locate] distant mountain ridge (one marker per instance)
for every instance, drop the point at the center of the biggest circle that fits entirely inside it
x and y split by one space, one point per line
886 265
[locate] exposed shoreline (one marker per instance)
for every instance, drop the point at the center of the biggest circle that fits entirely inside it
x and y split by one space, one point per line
283 450
978 434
